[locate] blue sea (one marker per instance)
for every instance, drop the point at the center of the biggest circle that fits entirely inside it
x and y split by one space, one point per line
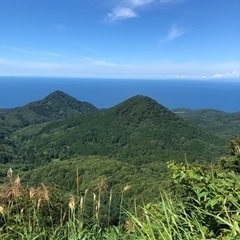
105 93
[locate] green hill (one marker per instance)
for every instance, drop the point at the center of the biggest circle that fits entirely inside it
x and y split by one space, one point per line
57 105
92 169
138 131
217 122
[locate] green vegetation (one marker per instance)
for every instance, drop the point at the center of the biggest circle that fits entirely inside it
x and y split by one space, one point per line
137 131
202 203
89 170
55 106
134 171
216 122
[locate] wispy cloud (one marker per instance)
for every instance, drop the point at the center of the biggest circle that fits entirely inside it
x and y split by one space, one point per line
138 3
127 9
18 50
173 33
29 52
88 49
52 54
120 13
100 62
232 74
167 1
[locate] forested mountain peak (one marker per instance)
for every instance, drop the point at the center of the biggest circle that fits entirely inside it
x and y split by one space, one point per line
57 95
57 105
60 97
144 108
59 102
138 101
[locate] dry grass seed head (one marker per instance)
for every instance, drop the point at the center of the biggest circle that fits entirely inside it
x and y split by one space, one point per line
110 195
41 194
9 173
32 192
1 210
45 192
39 201
81 202
71 202
129 226
17 182
127 188
101 185
94 197
14 191
86 191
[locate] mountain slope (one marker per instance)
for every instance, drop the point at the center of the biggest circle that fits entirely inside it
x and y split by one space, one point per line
217 122
57 105
87 176
91 169
139 130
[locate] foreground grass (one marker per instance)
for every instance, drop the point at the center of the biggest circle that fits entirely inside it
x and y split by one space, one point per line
202 204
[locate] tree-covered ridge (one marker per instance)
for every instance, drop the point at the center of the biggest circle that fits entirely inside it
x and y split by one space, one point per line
57 105
92 169
139 131
217 122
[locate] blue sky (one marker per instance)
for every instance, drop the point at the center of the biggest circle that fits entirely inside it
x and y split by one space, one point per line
120 38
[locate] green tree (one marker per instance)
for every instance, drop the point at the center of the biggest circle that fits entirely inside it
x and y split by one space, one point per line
232 162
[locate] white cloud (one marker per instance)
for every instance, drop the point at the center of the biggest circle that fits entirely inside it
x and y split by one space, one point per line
166 1
120 13
138 3
173 33
127 9
233 74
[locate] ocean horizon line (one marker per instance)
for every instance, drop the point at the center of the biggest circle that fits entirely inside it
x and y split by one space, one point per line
105 93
